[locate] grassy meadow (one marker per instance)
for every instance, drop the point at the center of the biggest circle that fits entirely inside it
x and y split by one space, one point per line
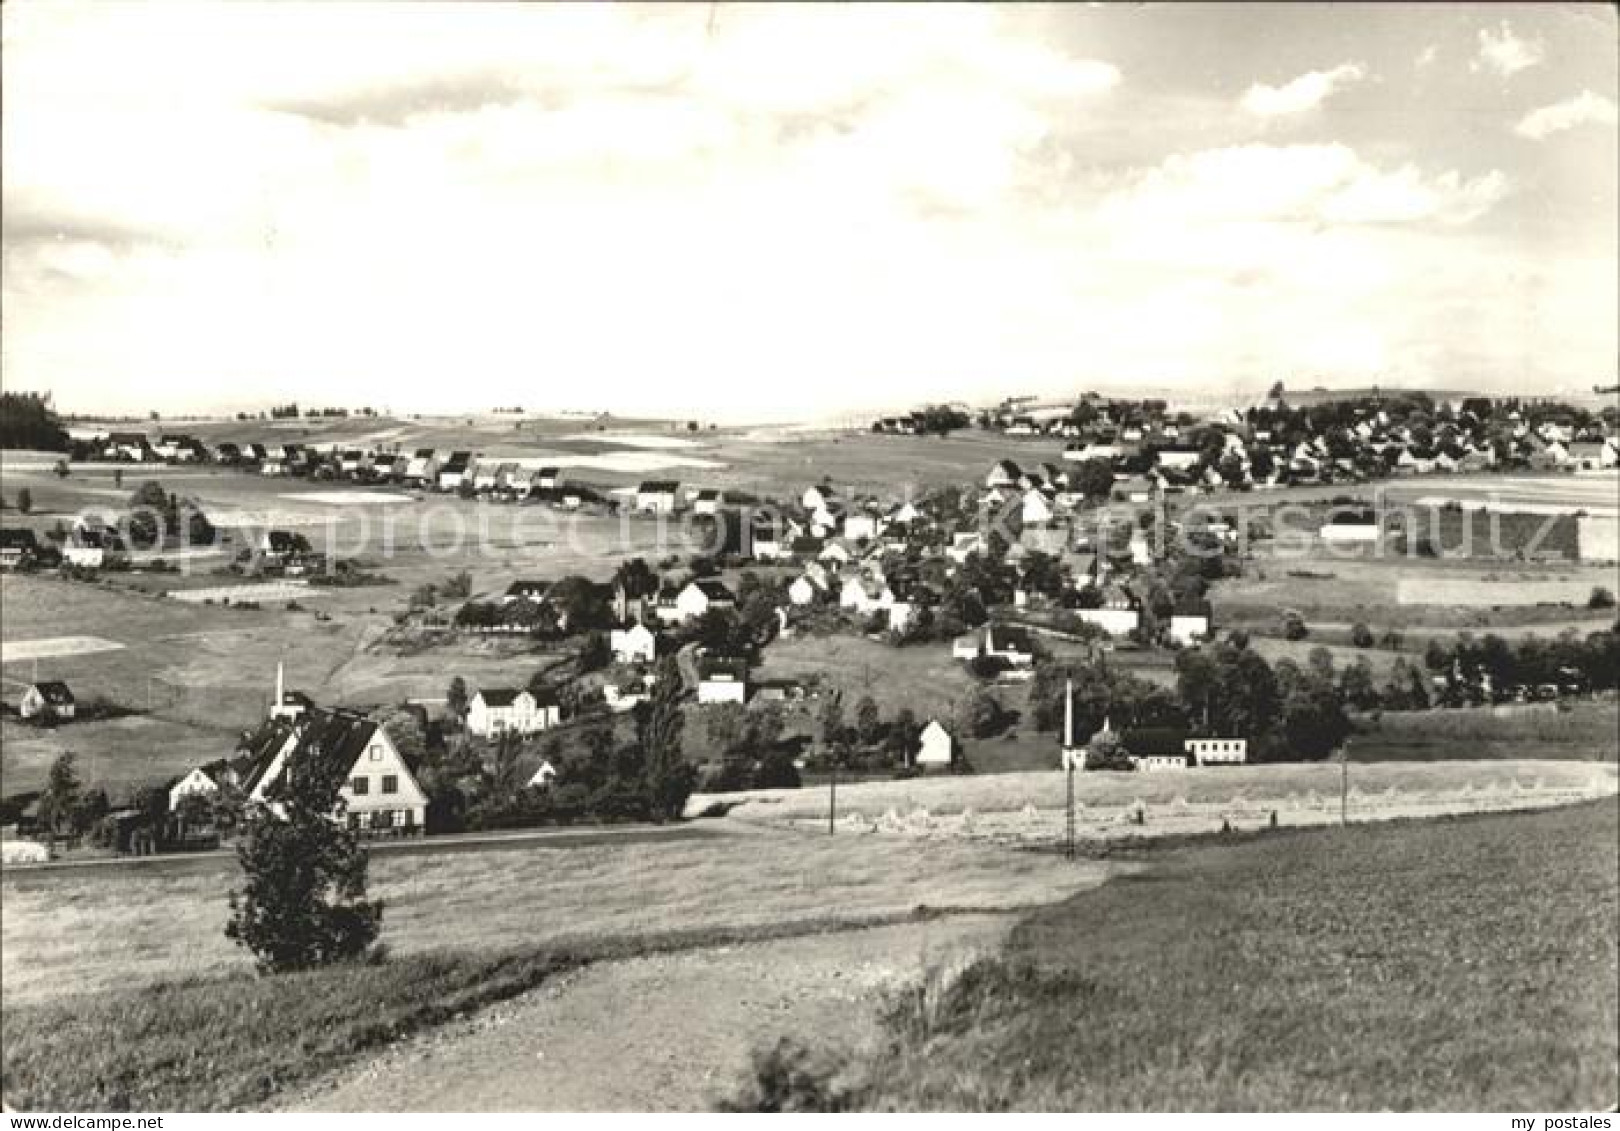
1458 965
1529 731
67 934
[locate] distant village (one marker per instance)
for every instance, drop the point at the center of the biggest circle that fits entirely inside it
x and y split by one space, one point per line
1002 572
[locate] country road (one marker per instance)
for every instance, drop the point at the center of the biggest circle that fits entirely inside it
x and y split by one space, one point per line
668 1032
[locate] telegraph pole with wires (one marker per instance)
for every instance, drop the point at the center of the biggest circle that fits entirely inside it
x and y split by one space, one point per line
1068 767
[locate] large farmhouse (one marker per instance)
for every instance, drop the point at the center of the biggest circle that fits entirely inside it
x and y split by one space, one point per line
380 795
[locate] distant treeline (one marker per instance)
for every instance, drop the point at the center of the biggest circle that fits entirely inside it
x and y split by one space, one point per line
27 421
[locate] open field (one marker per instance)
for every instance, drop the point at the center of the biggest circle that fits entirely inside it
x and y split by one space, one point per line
67 933
54 647
1520 731
1027 809
1461 965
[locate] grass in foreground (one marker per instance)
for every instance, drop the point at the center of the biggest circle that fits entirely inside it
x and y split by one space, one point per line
78 934
1461 965
233 1043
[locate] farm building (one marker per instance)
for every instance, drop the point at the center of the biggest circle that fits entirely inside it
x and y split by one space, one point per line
706 501
935 746
380 795
49 700
503 710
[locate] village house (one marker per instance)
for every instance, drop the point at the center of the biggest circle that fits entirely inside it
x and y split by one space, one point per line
547 479
636 644
130 446
706 501
504 710
48 701
202 781
722 679
658 496
805 590
1154 749
1004 473
693 599
18 546
1009 644
455 471
422 468
1594 455
819 497
380 795
1189 627
1217 751
935 747
1118 615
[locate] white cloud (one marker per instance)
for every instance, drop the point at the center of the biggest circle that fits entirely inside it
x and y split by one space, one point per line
1319 184
1585 108
1307 92
1505 53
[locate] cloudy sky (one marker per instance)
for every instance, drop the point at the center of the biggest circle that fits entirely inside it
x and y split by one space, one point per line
779 211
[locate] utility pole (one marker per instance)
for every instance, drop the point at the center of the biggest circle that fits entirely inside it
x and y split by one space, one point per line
832 800
1069 813
1344 783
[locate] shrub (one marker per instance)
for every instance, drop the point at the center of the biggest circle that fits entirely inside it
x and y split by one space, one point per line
1601 598
1294 626
1361 636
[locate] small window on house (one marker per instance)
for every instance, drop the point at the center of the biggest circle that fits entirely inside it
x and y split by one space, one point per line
376 752
382 819
390 783
359 786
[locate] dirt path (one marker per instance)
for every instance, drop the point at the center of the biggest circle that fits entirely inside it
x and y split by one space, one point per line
661 1033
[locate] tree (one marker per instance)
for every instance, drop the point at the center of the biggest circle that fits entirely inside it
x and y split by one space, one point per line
455 700
867 720
1360 635
61 794
458 587
982 715
303 897
594 653
1601 598
669 777
25 504
1294 626
723 726
830 721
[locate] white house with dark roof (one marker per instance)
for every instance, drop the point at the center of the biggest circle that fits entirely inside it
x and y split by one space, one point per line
935 746
636 644
658 496
380 794
505 710
48 699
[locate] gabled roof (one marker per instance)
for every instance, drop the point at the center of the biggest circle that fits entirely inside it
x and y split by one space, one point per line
729 668
335 736
658 487
17 538
54 692
499 696
714 589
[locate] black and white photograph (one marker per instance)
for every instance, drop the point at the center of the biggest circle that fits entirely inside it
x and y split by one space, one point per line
809 558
